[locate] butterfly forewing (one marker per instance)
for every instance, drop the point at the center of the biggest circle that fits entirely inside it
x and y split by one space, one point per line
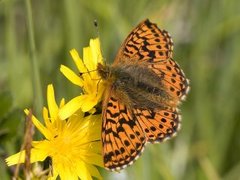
154 47
146 42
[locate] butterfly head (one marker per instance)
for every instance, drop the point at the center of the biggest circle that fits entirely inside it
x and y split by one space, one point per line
103 71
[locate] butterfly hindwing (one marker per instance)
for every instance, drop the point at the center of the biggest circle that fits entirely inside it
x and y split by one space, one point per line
122 137
158 125
172 77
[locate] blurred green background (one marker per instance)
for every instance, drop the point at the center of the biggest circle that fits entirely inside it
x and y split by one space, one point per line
206 35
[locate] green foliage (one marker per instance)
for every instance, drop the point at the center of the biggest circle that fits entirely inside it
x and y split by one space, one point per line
206 35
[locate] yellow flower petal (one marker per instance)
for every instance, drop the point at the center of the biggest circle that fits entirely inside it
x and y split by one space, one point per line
95 147
94 171
91 84
62 102
92 158
71 76
38 125
16 158
92 55
46 119
71 107
85 102
78 61
96 51
91 102
87 55
74 144
65 173
84 171
52 105
36 155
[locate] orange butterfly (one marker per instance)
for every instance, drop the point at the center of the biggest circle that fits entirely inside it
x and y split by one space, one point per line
144 88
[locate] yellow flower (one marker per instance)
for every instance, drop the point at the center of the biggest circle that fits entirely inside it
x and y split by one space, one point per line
73 145
87 78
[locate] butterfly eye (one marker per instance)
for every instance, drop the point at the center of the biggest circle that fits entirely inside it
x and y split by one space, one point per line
119 83
103 71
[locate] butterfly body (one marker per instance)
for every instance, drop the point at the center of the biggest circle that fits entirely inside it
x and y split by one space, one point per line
136 86
144 89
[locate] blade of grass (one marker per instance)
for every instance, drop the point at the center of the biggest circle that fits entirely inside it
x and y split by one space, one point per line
36 82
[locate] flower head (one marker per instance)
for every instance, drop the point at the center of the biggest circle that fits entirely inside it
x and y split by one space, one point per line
89 80
73 144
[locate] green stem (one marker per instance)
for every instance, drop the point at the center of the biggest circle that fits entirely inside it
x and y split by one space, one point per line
37 91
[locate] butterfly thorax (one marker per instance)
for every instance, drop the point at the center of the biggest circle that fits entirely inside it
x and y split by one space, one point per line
136 86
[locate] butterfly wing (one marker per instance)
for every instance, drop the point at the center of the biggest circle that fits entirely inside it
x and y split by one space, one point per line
154 47
122 137
158 125
125 132
146 42
172 77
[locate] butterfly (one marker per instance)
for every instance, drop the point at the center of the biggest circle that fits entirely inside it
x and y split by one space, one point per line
144 87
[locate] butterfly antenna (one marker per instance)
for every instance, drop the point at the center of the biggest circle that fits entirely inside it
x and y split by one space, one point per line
81 73
98 85
96 24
